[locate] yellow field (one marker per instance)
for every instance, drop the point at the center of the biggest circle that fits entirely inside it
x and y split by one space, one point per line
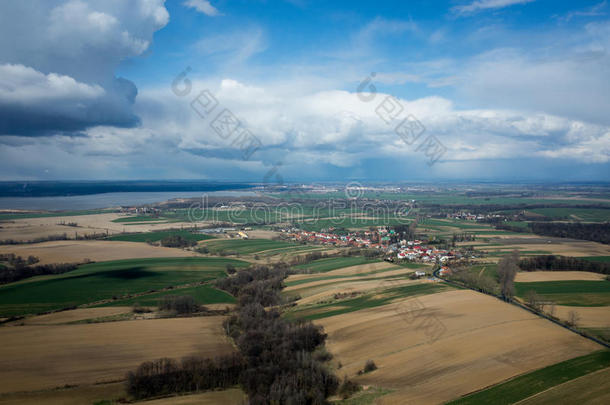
320 290
31 228
43 357
86 394
228 397
556 246
532 276
485 341
590 389
74 251
74 315
588 317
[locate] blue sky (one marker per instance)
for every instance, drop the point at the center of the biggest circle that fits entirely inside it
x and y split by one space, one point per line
504 89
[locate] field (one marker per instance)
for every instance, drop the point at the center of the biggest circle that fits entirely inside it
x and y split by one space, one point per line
332 263
77 251
79 395
74 315
538 381
581 214
528 244
359 279
158 235
203 294
372 300
593 389
533 276
571 293
95 223
253 246
478 341
102 281
92 394
43 357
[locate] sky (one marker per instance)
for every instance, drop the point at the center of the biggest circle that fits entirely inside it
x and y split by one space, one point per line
305 90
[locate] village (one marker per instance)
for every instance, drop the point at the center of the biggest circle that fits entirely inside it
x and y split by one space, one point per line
382 238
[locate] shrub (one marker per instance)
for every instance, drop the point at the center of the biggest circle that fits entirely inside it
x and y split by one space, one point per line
181 304
370 366
348 388
139 309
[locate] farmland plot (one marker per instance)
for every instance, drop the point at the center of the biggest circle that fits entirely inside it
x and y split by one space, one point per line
483 341
42 357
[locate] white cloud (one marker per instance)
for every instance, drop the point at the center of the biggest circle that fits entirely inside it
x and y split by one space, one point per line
480 5
22 84
593 11
233 47
335 130
203 6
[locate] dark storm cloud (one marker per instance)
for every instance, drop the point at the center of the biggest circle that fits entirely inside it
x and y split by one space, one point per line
57 63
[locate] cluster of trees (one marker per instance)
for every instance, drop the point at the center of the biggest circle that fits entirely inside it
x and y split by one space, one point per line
280 362
180 304
462 237
18 261
167 376
308 258
404 231
503 286
284 361
177 241
563 263
593 232
482 283
19 268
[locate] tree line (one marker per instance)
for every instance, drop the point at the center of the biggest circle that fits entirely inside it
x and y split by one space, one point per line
563 263
195 373
19 268
593 232
285 363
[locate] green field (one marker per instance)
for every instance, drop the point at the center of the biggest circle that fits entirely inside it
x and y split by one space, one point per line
237 215
348 223
250 246
573 293
529 384
603 259
203 294
158 235
320 311
105 280
490 270
25 215
582 214
446 198
140 219
333 263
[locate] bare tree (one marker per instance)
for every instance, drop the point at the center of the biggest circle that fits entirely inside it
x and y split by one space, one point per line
552 309
573 318
507 270
533 300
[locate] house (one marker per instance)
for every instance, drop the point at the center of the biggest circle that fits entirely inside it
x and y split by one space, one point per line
420 273
444 271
